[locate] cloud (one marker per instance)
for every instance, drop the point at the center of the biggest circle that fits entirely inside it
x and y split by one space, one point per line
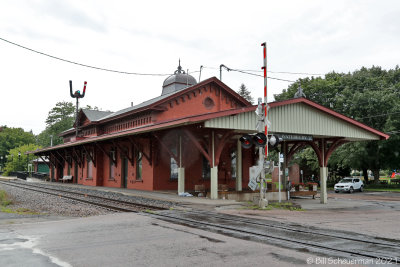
67 13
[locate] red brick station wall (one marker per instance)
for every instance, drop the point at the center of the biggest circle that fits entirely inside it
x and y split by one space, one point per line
158 177
156 174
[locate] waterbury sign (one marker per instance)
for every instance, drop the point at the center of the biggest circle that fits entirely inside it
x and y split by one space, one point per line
295 137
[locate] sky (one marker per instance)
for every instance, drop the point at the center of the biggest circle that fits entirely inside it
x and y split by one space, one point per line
149 37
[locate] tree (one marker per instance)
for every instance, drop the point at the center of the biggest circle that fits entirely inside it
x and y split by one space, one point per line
17 160
369 95
61 112
59 119
245 93
14 137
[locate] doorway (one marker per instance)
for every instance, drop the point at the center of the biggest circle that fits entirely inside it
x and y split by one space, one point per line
124 172
75 180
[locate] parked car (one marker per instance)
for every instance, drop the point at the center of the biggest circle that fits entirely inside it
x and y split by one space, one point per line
349 184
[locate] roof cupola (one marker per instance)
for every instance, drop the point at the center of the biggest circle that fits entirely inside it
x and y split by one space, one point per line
177 81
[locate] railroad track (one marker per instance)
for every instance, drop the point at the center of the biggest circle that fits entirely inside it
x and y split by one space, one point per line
319 241
99 201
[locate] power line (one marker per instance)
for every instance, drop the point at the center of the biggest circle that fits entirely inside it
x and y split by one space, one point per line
379 115
83 65
277 72
273 78
253 74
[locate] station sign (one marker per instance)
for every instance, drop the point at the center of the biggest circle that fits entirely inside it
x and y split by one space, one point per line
295 137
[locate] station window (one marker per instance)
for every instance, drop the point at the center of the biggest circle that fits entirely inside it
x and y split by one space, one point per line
112 165
68 166
139 166
233 163
205 174
89 168
174 166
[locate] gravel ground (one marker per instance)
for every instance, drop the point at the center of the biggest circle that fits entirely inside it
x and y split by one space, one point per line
53 205
49 205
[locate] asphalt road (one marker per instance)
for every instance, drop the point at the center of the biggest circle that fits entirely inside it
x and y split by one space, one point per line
137 240
131 240
371 213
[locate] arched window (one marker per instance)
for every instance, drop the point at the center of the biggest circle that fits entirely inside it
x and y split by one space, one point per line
233 155
173 166
139 166
205 174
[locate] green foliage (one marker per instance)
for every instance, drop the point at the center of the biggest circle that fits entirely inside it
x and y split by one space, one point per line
285 205
369 95
383 187
62 110
14 137
59 119
308 162
4 199
16 162
245 93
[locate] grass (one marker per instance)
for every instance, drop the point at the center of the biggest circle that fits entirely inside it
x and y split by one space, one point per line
383 189
149 211
5 201
276 205
379 187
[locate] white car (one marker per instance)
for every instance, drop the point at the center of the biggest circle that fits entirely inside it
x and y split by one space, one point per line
349 184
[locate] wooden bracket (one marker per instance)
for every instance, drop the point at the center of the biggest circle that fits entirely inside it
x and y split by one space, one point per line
92 158
175 157
221 144
47 163
198 145
124 153
137 147
78 158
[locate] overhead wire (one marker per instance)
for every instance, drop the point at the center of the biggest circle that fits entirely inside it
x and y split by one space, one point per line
379 115
253 74
248 72
85 65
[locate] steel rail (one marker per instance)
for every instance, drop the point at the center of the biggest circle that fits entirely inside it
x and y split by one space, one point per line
106 206
192 223
292 228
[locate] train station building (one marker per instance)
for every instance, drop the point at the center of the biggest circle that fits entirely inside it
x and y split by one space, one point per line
189 136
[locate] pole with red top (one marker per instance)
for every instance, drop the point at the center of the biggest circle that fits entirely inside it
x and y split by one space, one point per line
262 155
265 94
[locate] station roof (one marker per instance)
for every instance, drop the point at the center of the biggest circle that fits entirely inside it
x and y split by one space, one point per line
302 117
294 116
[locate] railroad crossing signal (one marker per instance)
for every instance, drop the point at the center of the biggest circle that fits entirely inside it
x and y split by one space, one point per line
274 141
259 140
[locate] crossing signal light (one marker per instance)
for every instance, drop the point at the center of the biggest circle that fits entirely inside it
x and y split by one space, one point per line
260 139
274 141
246 140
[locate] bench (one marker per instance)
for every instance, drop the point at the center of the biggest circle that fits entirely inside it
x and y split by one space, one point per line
200 189
223 190
67 178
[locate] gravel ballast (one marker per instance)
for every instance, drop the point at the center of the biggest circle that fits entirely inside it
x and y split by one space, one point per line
53 205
